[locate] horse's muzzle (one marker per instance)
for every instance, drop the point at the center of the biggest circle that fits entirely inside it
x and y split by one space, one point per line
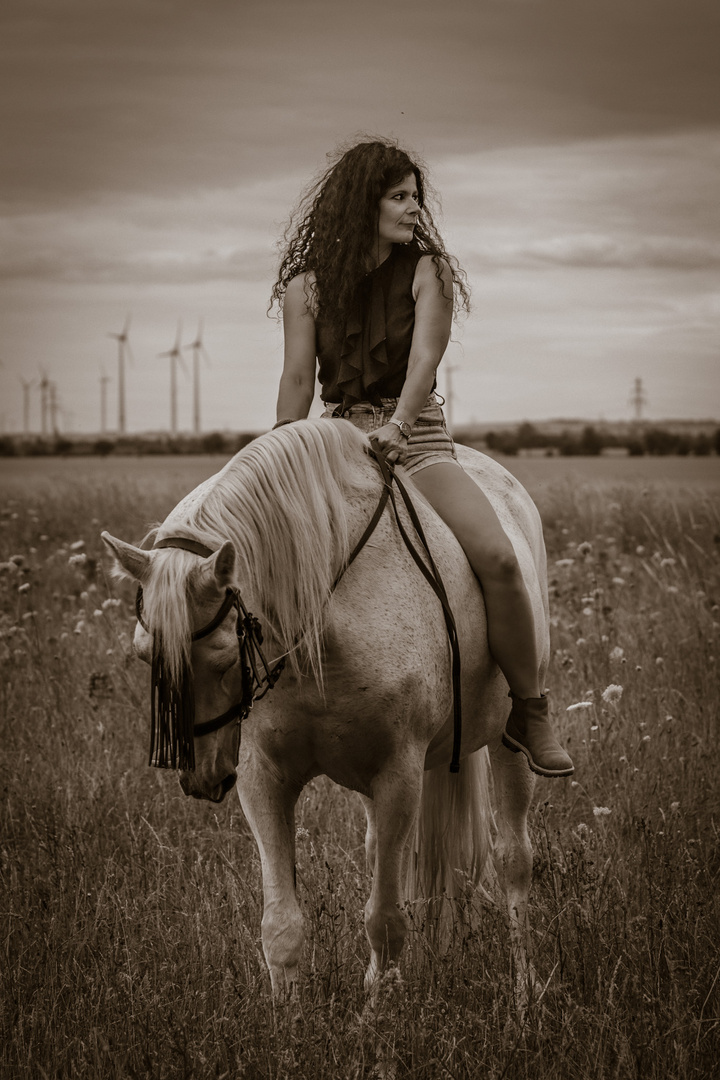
216 794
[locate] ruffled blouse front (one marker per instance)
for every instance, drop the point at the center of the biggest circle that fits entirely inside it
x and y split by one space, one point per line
371 363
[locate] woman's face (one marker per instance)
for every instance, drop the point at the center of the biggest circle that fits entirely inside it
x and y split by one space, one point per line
399 211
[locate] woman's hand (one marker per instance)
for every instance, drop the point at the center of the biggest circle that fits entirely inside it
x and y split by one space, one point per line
391 442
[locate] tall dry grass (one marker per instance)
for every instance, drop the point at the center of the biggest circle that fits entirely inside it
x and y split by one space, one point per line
130 915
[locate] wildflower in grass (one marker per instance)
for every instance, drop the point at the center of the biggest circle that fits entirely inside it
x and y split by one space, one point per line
29 615
579 705
580 642
581 828
594 727
612 694
77 560
79 627
98 613
564 562
623 758
639 550
585 548
44 537
667 562
617 653
601 811
646 738
659 662
588 611
17 559
671 589
618 581
674 807
110 603
25 587
77 545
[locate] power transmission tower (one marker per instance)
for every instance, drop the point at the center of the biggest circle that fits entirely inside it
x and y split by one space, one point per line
104 380
27 385
44 385
638 399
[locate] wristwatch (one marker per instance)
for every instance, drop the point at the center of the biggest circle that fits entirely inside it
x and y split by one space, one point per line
405 428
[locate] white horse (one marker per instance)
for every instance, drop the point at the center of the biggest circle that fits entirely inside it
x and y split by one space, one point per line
366 694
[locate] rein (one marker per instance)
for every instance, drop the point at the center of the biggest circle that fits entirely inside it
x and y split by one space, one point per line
173 729
432 576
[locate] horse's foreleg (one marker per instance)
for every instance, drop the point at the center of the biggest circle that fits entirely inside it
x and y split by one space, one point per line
269 806
514 787
396 798
370 833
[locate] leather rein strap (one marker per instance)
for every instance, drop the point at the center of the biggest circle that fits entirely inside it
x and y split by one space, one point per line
432 576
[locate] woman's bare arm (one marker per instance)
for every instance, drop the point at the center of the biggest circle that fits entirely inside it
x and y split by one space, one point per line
297 382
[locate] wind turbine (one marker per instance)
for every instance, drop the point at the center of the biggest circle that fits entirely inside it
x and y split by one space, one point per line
104 380
27 385
174 354
199 352
122 340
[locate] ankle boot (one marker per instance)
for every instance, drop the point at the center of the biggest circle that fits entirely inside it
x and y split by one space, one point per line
528 731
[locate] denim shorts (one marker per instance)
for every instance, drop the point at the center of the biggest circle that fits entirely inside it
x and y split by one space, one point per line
429 443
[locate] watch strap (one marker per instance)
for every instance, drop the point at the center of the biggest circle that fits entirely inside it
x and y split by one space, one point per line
405 428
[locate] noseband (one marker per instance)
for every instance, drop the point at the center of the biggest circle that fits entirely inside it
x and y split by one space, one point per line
173 729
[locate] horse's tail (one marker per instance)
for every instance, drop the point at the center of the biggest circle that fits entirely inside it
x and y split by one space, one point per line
454 834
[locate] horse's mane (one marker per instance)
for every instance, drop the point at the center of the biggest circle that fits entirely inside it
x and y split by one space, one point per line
283 503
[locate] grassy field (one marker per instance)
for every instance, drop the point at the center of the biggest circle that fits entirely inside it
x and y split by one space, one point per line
131 915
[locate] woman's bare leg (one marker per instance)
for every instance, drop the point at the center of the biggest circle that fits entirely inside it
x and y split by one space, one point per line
511 625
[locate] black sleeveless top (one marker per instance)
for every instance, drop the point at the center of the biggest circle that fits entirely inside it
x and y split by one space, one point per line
371 361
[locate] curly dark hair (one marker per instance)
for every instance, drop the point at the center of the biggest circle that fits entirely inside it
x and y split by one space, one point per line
333 229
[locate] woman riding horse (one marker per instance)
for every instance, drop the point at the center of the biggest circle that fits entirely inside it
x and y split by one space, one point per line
368 293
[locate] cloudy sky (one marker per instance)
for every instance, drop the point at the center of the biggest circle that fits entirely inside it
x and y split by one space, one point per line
153 149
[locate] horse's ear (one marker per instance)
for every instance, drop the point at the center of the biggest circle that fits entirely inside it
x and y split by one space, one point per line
223 565
132 560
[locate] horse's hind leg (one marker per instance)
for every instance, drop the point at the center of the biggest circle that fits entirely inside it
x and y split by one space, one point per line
514 786
396 799
269 807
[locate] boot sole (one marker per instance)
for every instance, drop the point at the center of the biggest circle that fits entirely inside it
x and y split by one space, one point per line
518 748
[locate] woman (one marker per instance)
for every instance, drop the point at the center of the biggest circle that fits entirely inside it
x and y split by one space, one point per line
368 294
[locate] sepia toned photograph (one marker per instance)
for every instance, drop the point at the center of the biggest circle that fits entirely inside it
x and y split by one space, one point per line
359 539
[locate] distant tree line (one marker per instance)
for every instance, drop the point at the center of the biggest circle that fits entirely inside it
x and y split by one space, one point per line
588 442
591 441
215 442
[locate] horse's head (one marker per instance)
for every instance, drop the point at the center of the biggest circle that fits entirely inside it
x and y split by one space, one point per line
188 630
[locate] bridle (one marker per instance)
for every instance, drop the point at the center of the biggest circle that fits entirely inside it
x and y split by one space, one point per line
173 727
172 732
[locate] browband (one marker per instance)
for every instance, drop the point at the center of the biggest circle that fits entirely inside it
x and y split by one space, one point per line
185 544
